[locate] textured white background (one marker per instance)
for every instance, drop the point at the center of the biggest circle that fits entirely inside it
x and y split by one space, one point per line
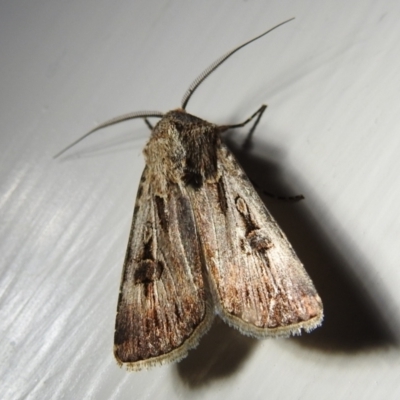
332 132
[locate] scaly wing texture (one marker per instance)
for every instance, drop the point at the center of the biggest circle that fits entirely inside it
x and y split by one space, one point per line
258 283
162 307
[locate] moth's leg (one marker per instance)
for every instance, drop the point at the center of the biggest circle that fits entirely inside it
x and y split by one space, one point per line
150 126
297 197
257 115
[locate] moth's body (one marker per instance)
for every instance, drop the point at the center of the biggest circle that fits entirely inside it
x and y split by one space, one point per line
202 242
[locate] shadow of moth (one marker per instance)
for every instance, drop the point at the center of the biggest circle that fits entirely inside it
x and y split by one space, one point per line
202 242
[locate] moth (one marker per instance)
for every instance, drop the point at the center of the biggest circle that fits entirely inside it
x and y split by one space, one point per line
202 243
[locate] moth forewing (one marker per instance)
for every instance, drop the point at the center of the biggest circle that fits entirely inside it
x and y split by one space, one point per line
163 306
258 283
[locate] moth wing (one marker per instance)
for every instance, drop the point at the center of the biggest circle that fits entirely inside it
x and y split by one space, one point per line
258 283
162 306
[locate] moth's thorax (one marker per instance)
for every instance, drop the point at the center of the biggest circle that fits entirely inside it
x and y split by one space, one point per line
183 149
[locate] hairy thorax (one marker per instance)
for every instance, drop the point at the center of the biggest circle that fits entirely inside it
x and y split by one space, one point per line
183 149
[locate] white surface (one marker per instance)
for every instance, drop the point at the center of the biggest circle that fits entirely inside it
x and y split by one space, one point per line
332 132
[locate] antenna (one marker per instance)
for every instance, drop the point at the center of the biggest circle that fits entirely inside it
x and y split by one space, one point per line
112 121
196 83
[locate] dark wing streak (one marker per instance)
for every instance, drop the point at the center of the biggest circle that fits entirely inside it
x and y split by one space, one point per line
162 310
190 311
259 284
175 260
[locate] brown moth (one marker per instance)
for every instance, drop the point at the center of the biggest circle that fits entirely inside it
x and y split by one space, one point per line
202 242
